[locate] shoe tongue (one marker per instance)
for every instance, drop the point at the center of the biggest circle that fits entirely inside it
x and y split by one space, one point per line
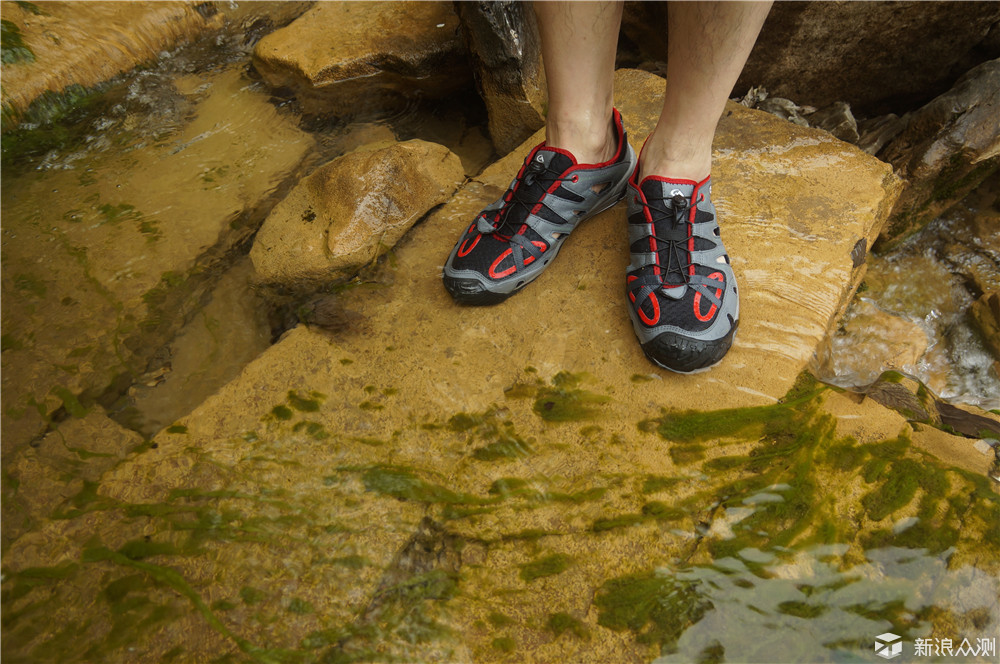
655 188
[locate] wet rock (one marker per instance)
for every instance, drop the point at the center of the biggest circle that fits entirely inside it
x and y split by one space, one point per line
346 476
948 147
838 120
351 210
349 58
107 252
59 466
503 41
871 341
83 44
986 314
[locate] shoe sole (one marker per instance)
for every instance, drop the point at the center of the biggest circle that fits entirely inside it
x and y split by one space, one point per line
472 292
688 356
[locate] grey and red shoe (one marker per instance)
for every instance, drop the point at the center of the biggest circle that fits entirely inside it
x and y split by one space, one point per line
513 240
681 290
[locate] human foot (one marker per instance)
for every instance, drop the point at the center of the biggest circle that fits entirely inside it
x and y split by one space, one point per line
682 292
513 240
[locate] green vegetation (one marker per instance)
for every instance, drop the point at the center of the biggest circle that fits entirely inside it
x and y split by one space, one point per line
546 566
560 623
13 50
658 608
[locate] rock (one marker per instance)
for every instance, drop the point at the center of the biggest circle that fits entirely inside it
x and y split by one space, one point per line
58 467
878 57
783 108
83 44
838 120
103 259
503 40
869 342
351 210
517 481
986 315
352 58
949 146
876 132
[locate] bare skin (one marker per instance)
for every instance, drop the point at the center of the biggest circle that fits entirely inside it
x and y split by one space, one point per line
708 45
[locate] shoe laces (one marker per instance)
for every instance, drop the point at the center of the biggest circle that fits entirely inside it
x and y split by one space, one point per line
674 214
507 223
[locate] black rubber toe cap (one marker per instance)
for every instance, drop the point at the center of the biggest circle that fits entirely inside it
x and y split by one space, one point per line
471 292
685 355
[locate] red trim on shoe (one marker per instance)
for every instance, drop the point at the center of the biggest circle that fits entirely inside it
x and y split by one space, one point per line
527 261
638 309
715 276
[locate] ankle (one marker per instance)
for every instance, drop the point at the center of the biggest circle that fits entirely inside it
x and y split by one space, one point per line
590 142
677 159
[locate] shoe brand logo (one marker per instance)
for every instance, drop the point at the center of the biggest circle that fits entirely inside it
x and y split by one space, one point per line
676 192
540 159
888 645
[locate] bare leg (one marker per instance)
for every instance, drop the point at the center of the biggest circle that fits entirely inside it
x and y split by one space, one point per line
579 41
708 44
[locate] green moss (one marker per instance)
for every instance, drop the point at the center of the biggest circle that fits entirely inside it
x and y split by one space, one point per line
895 492
141 548
499 620
623 521
505 644
403 484
302 404
662 512
565 402
845 456
70 402
13 50
656 608
222 605
251 596
314 430
30 7
282 412
657 483
300 606
510 448
722 464
685 454
370 406
546 566
560 623
801 609
506 486
10 342
177 428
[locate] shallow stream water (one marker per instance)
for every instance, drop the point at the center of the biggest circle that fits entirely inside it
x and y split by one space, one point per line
766 544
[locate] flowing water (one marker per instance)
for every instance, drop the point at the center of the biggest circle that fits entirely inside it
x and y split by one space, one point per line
767 541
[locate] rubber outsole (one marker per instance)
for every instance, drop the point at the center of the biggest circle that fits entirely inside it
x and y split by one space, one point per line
471 292
686 355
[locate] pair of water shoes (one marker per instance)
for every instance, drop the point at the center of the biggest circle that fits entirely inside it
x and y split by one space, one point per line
680 287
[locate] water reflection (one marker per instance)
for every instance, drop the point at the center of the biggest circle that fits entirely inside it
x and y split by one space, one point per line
810 607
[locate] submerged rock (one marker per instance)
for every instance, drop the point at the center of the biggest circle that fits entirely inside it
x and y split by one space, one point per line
948 147
986 315
346 58
351 210
106 252
83 44
503 42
